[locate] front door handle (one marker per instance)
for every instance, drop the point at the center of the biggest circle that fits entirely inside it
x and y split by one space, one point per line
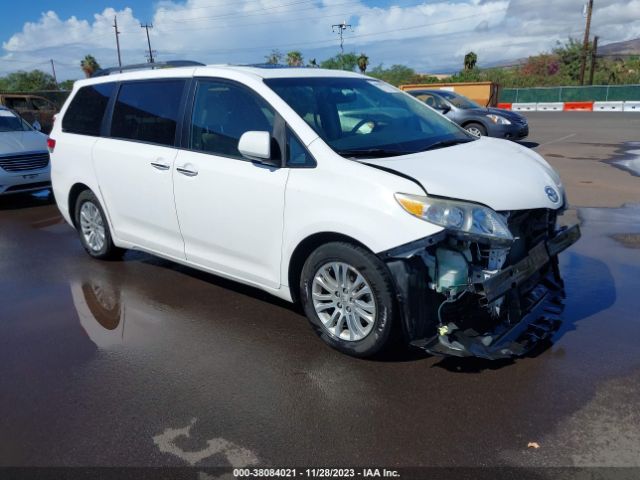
186 171
160 165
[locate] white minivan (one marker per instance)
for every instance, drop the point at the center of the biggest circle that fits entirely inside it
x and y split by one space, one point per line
382 217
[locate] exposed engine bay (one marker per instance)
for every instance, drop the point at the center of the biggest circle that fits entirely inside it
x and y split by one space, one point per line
464 295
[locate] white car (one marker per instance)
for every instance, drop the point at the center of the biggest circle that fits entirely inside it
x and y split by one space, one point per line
326 187
24 158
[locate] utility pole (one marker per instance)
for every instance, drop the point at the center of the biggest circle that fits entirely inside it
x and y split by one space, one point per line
115 26
341 27
146 26
594 53
53 70
585 44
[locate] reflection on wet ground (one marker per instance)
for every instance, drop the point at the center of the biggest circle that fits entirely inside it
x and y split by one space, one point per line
628 158
144 362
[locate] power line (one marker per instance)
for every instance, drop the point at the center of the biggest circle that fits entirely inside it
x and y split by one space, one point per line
254 11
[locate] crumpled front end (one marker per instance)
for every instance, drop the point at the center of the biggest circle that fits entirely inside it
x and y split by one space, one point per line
465 296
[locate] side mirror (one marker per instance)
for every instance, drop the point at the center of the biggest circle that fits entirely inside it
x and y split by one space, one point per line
36 125
256 146
445 109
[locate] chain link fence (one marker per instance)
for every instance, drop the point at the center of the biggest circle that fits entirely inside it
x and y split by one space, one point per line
596 93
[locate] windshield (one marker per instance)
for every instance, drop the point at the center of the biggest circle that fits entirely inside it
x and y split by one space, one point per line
458 100
360 117
9 122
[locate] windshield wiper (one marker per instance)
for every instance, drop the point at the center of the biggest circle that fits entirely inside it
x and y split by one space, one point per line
449 143
373 153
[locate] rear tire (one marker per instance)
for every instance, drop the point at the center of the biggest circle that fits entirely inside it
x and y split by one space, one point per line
93 228
476 129
348 297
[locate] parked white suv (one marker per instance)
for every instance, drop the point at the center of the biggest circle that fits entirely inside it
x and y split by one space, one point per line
24 159
326 187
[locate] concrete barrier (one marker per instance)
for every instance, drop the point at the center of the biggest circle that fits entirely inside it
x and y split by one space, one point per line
504 106
523 107
631 107
549 107
578 106
608 106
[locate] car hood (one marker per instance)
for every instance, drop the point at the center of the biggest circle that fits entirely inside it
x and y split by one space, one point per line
497 173
19 142
508 114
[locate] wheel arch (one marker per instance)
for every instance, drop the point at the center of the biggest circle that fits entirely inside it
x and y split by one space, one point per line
477 121
305 248
74 193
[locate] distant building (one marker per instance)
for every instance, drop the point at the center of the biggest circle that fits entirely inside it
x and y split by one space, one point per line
439 76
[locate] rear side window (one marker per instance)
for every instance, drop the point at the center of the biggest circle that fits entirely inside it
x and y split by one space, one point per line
148 111
84 115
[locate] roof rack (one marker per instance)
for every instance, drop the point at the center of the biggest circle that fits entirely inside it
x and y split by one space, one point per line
145 66
273 65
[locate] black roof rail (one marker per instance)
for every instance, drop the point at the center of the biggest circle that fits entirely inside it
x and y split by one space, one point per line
145 66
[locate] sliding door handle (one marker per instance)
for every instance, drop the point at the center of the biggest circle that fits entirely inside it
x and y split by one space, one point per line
187 171
160 165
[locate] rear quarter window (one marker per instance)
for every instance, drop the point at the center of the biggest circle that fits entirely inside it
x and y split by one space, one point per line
86 110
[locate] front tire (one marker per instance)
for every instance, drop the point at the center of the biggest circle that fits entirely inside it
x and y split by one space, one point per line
92 225
347 295
476 129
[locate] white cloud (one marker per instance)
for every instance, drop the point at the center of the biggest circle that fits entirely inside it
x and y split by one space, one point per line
427 35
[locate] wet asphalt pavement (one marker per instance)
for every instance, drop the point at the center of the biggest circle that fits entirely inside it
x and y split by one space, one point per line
143 362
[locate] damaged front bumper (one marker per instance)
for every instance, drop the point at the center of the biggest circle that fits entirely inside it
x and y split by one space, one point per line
495 312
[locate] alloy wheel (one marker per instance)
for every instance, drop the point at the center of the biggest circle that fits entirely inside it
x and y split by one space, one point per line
92 226
344 302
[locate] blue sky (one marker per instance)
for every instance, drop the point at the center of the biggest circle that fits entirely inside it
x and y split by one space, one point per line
431 36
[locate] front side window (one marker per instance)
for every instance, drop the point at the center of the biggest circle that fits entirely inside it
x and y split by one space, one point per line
42 104
297 154
222 112
84 114
147 111
434 101
360 117
459 101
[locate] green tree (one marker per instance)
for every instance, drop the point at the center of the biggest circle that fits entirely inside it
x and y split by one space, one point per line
346 61
400 75
89 65
363 62
28 81
470 60
294 59
66 85
274 58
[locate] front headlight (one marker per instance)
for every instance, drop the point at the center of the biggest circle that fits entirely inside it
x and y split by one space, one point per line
498 119
457 216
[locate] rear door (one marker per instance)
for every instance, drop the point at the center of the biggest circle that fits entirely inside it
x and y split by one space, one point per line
230 209
134 165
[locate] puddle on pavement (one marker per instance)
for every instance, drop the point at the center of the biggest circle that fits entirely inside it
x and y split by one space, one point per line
628 158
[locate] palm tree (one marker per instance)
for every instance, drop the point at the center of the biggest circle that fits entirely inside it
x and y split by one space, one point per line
470 60
89 65
363 62
274 57
294 59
